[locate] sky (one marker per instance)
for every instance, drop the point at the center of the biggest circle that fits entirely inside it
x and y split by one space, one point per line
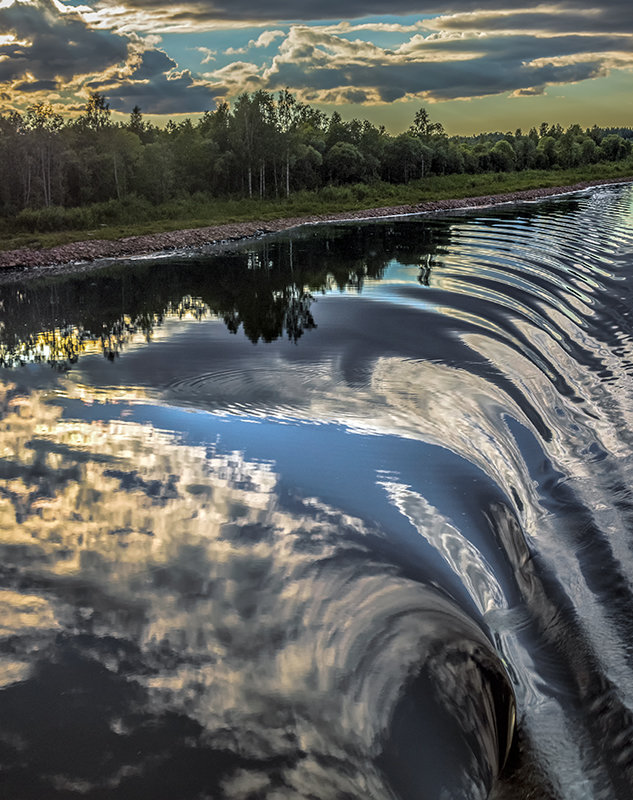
475 65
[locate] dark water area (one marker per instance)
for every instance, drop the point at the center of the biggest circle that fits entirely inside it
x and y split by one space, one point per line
343 513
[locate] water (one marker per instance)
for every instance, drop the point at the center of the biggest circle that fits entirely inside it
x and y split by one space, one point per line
318 517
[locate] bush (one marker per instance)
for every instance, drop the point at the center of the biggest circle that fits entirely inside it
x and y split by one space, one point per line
131 209
51 218
334 194
360 191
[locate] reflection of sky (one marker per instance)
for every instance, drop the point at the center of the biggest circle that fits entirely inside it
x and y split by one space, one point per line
338 467
180 553
277 533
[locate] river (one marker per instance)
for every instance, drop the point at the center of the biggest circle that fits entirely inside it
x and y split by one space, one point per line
341 513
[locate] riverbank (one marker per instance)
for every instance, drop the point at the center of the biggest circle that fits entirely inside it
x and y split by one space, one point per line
85 252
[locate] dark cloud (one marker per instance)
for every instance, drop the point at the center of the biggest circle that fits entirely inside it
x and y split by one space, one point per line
152 63
442 68
160 93
60 45
449 81
578 42
518 50
342 96
36 86
609 15
573 20
354 96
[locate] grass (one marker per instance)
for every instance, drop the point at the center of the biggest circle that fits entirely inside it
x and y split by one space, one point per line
48 227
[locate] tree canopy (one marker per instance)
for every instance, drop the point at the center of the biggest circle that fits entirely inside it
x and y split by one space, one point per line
264 145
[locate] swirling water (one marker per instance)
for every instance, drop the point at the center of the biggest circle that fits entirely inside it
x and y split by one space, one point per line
333 511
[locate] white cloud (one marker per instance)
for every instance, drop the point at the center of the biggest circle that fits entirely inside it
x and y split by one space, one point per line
265 39
209 55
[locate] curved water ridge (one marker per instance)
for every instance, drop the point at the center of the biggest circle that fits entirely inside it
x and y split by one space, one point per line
339 555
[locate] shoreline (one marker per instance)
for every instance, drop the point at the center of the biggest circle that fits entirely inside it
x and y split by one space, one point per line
83 254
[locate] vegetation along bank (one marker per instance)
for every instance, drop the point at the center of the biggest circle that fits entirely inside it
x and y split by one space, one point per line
266 163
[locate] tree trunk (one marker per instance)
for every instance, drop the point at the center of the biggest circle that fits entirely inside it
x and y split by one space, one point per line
116 177
45 196
26 182
49 170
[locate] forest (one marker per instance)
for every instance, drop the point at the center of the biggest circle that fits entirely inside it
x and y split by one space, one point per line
264 146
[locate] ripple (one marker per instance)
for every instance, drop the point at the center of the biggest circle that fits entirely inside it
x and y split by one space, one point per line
406 519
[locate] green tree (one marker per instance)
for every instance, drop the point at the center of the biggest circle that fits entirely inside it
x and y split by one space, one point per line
344 162
422 126
614 147
289 114
546 152
96 113
502 156
42 126
405 158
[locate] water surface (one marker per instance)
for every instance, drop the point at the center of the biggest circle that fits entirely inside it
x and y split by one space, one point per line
322 516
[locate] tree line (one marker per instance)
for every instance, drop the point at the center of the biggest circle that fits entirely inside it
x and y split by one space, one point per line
263 146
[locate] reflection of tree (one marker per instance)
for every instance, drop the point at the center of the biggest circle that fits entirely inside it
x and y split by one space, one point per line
425 273
266 290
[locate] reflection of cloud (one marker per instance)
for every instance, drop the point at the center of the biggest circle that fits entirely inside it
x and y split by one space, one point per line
277 631
420 400
466 561
22 612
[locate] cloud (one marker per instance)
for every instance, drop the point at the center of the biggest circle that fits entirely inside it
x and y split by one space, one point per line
543 20
240 76
50 44
209 55
152 63
477 50
609 16
442 65
530 91
345 26
181 93
154 83
341 96
35 86
265 39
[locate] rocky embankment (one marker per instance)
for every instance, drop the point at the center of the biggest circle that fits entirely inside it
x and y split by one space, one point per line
90 251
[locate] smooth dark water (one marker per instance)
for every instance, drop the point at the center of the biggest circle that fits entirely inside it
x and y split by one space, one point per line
319 517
